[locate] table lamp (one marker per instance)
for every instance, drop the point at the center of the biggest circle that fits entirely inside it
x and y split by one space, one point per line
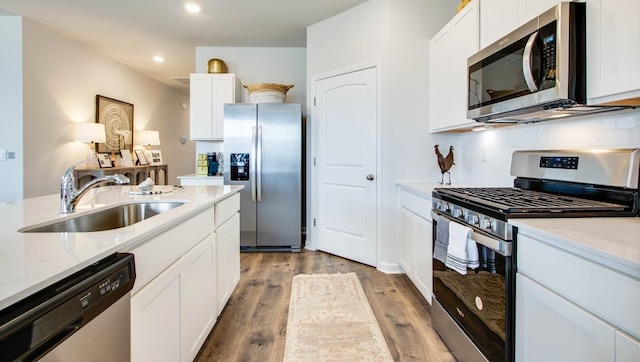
92 133
148 138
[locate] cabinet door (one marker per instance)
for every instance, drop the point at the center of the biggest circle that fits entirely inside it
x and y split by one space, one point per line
228 263
197 298
208 94
440 79
497 19
612 51
529 9
465 42
407 242
201 110
424 255
448 53
155 319
550 328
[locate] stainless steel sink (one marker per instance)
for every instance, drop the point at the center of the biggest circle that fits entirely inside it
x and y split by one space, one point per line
107 219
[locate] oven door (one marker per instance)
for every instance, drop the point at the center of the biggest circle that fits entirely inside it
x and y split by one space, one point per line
473 313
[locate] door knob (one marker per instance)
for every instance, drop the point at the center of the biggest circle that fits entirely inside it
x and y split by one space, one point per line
370 177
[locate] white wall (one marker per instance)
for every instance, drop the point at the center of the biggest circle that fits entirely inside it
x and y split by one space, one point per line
393 34
11 171
253 65
61 79
484 158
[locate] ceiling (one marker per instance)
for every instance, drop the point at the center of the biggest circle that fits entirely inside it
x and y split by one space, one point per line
133 32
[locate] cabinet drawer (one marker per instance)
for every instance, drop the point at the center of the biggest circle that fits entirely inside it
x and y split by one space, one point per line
226 209
419 205
157 254
608 294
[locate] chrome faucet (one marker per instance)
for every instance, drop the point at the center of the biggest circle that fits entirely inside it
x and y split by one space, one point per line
69 195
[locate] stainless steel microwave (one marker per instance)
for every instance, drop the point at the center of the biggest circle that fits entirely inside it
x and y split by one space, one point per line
536 72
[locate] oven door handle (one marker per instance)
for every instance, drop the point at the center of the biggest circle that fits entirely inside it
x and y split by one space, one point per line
499 246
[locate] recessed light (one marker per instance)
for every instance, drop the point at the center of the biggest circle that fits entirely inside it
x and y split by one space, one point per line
158 58
192 7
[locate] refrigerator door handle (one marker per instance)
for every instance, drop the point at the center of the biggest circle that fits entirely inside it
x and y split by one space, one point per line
259 165
252 163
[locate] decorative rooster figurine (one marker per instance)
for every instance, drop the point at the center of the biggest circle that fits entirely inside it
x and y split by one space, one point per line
445 163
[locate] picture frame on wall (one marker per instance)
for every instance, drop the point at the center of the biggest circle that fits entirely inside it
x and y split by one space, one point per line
142 159
155 157
104 160
117 117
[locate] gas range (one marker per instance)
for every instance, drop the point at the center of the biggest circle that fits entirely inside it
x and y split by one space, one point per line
555 183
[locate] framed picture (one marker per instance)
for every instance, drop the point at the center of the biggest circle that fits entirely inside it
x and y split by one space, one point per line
141 157
104 160
127 161
117 117
155 157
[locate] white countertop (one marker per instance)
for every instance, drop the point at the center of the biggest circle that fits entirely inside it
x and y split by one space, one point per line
193 175
613 242
32 261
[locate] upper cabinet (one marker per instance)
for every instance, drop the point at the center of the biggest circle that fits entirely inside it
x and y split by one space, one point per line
209 93
500 17
613 29
448 53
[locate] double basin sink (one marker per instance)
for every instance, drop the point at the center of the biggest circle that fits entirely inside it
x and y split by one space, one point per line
109 218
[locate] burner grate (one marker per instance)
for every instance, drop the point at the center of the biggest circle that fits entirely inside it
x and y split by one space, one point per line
514 200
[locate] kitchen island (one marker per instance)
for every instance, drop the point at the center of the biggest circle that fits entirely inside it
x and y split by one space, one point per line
32 261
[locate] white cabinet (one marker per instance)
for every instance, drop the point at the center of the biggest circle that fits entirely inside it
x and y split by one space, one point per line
497 19
415 243
197 298
208 94
448 53
553 329
228 254
500 17
571 308
612 51
155 319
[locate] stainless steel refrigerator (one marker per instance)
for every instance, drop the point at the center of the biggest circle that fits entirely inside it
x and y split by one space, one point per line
263 152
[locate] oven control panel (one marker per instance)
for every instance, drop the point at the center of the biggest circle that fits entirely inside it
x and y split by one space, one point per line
568 163
474 219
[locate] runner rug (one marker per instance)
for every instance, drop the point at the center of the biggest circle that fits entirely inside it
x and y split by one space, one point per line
330 319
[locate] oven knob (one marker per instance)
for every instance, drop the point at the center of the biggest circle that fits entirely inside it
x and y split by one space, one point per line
472 219
456 212
485 223
444 207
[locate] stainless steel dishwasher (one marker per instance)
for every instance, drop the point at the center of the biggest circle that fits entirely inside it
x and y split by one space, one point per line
84 317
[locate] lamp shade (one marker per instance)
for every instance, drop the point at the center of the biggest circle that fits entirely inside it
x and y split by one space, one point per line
148 138
90 132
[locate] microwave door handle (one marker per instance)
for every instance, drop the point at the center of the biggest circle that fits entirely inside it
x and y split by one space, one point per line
526 63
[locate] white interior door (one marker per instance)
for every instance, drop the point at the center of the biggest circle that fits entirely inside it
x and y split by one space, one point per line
346 165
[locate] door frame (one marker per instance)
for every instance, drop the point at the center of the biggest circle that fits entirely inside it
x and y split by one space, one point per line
311 241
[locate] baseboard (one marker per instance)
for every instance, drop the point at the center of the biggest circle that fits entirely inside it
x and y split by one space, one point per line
390 268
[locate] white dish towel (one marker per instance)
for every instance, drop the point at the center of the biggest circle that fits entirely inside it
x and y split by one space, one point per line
462 251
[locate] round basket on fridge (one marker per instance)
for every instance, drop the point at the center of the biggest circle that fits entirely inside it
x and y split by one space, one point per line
268 92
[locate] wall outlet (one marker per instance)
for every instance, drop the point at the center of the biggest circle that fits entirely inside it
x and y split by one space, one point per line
3 155
12 155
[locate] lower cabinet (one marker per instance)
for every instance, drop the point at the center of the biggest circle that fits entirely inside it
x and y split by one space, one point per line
228 260
415 241
172 316
569 308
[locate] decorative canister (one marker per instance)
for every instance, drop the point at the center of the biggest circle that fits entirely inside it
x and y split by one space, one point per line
216 66
268 92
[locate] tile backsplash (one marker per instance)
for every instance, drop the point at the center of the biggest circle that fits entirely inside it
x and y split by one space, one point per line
484 158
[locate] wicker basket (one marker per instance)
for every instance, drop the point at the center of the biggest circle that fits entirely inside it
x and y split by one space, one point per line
267 92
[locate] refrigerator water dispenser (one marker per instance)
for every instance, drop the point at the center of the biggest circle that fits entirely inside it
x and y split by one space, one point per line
239 166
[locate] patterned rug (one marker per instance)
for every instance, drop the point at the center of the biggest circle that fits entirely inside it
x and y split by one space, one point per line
330 319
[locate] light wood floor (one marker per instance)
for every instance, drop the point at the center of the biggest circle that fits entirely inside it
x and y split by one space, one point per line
253 325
